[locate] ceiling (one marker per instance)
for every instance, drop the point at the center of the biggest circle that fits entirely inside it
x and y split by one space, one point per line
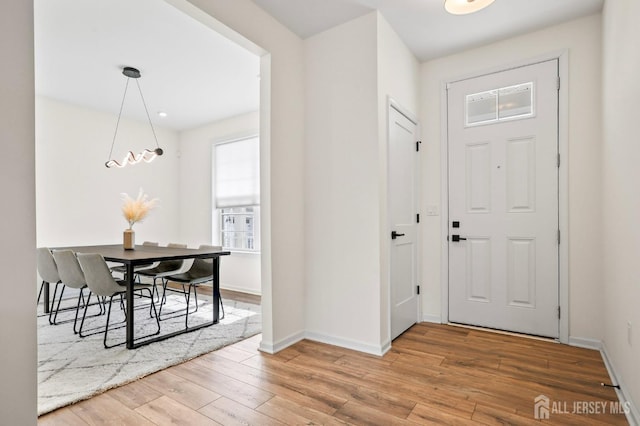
189 71
197 76
425 27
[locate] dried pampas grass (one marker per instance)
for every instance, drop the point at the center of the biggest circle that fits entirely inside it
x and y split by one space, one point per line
136 210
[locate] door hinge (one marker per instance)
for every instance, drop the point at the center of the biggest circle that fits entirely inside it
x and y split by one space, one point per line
558 237
558 312
418 145
558 83
417 217
418 289
558 160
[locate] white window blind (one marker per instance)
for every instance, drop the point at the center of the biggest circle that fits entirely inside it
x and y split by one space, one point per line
237 173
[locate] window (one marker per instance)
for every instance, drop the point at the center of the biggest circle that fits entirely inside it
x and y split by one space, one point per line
237 228
237 194
506 103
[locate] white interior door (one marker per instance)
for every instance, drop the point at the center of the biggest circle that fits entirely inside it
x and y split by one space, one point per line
503 200
403 218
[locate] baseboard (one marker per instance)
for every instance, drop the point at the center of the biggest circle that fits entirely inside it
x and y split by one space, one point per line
240 289
386 347
266 347
348 343
272 348
432 318
583 342
633 416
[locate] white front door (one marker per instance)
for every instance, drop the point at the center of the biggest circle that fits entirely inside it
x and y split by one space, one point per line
403 217
503 200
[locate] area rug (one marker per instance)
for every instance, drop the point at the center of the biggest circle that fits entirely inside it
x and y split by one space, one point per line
71 369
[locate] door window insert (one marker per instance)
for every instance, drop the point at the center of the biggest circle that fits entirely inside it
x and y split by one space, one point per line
505 103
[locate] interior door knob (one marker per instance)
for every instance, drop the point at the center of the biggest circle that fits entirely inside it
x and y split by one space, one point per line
394 235
456 238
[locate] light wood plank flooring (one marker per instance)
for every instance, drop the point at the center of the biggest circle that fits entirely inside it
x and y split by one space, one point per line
434 374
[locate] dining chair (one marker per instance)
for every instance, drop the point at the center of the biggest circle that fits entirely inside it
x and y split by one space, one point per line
165 268
71 276
101 283
122 269
201 272
48 271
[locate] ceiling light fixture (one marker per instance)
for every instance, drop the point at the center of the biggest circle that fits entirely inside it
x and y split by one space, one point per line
463 7
147 155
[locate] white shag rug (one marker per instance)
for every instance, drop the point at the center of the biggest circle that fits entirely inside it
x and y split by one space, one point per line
71 368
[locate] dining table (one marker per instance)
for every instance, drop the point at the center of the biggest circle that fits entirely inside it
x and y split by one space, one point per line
144 255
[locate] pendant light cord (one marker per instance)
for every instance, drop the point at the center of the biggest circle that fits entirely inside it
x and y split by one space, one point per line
148 116
146 110
113 142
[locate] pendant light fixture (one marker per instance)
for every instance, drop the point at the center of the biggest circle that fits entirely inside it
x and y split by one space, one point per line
463 7
148 155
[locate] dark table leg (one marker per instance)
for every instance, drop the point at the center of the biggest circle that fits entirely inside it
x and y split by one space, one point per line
216 289
130 312
216 311
45 297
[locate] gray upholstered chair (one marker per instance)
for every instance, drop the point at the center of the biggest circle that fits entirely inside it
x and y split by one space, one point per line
101 283
71 276
164 269
47 269
200 273
122 269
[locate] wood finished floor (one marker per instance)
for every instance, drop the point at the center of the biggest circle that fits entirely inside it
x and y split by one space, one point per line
435 374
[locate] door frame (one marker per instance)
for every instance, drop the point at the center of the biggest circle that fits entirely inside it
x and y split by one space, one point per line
563 182
393 104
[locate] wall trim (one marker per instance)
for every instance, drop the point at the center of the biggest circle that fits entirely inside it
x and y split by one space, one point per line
586 343
272 348
432 318
348 343
386 348
633 416
563 178
224 286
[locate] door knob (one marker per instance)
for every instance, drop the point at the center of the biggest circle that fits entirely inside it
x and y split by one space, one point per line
394 235
456 238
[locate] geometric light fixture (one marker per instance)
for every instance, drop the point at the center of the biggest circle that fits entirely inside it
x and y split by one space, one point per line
148 155
463 7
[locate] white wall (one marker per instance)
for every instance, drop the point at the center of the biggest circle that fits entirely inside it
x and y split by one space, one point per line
78 199
351 71
620 197
18 358
342 219
240 271
281 162
582 38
